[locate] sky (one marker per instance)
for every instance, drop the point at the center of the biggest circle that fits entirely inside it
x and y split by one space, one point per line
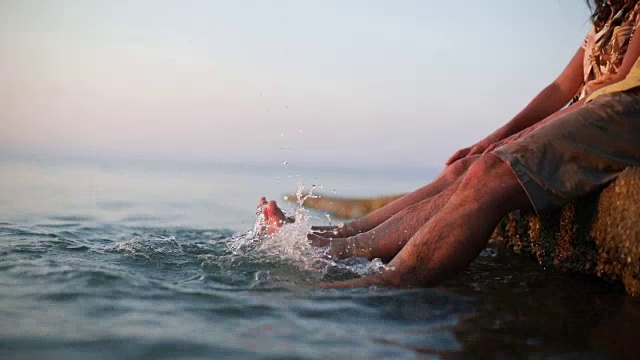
308 82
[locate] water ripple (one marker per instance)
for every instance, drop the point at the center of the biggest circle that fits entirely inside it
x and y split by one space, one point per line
118 291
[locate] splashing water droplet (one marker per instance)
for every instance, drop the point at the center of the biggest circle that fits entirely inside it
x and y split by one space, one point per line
290 245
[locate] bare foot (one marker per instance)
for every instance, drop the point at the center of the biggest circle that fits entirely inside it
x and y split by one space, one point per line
338 247
274 218
337 231
318 240
328 231
343 248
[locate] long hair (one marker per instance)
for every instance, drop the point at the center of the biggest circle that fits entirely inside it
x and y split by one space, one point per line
601 10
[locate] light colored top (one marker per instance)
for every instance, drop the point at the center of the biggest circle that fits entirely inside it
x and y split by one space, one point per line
632 80
606 47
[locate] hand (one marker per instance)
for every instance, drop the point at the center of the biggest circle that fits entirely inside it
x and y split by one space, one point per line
478 148
514 137
493 146
498 144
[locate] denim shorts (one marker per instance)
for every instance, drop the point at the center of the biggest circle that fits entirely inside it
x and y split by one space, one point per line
579 152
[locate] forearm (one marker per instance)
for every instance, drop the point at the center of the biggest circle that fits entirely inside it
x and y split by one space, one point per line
548 102
536 126
562 112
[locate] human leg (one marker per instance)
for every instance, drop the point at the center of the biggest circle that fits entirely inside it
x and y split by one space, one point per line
447 177
579 153
387 239
450 241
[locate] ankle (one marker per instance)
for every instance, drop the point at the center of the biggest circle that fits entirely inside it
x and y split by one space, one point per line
356 245
352 228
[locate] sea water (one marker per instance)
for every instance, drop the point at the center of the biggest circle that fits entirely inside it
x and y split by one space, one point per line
129 260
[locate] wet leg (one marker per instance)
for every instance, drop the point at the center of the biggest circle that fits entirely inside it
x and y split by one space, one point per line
447 177
387 239
452 239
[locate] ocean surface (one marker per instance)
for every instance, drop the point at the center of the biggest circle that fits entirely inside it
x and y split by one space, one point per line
154 260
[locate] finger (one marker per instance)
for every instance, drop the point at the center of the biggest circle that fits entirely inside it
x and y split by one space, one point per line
457 156
474 151
452 159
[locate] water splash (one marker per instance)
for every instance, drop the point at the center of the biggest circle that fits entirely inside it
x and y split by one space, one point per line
254 250
290 244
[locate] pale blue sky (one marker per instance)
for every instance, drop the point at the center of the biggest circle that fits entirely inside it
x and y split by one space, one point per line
342 82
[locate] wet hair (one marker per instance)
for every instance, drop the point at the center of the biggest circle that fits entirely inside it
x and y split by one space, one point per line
601 10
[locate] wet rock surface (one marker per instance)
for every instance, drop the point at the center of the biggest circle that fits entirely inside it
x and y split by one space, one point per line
597 235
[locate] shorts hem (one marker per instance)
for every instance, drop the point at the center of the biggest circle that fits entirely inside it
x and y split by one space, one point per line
539 198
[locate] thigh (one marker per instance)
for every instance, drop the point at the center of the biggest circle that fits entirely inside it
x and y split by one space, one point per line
579 152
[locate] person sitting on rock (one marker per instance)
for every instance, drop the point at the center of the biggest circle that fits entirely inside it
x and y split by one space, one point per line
440 228
598 62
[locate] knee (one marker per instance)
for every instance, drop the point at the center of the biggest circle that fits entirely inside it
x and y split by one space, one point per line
485 167
459 168
491 184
